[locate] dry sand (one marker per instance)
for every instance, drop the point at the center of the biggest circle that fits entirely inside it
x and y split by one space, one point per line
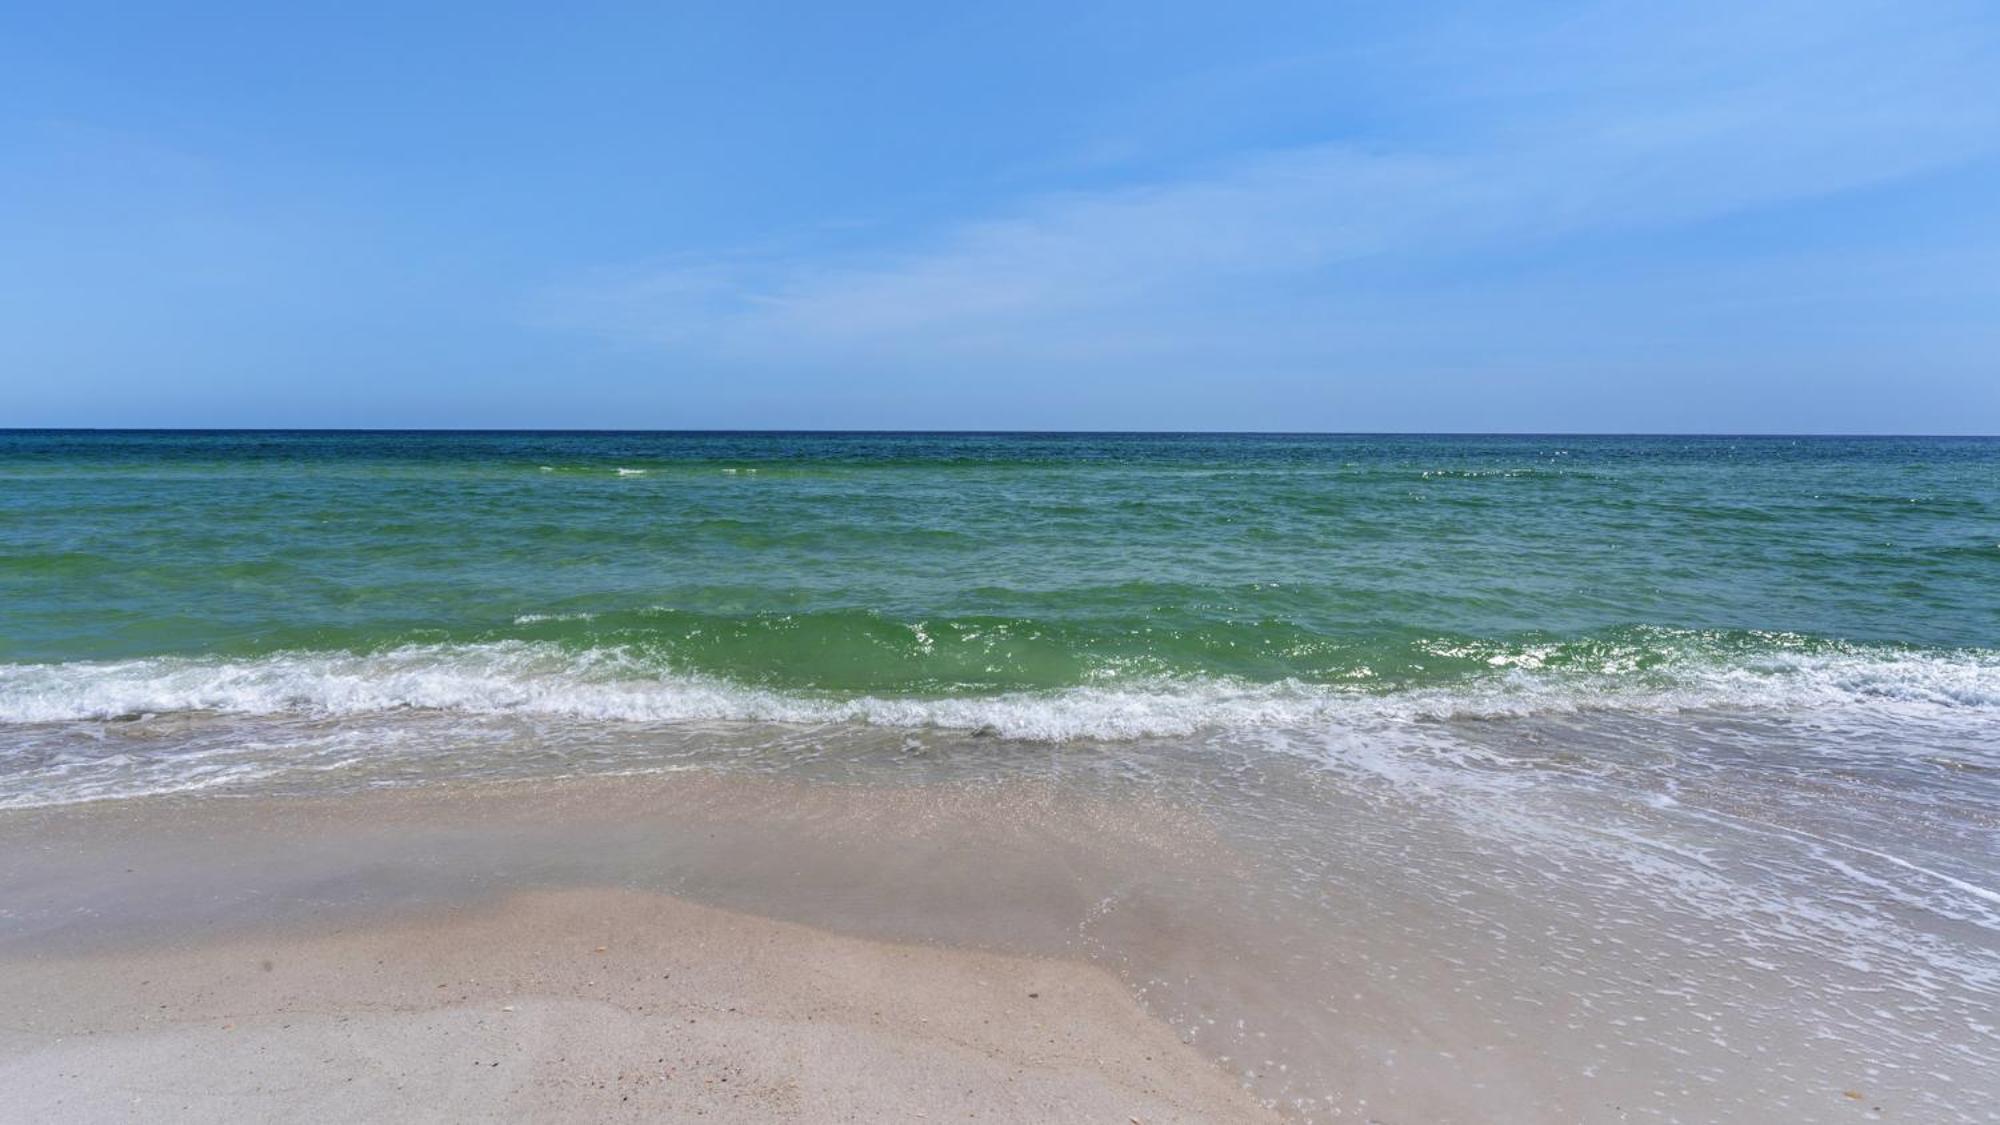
587 1004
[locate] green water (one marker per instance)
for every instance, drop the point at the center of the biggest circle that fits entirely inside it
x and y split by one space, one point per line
946 564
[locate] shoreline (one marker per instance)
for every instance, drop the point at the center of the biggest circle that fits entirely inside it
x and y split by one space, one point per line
1318 945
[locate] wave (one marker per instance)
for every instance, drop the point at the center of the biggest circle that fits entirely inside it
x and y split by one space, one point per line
621 684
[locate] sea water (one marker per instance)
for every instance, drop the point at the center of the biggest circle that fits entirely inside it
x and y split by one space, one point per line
1675 759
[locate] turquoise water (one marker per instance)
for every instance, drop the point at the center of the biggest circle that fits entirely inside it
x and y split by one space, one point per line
935 567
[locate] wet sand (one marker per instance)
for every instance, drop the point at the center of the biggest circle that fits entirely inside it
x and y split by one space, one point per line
1259 937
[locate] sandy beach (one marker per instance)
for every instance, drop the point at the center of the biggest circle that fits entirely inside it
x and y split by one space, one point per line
588 1005
1050 945
422 954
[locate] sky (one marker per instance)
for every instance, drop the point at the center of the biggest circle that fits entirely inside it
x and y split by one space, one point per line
1500 216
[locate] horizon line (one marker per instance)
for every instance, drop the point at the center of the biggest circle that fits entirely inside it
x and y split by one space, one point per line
832 431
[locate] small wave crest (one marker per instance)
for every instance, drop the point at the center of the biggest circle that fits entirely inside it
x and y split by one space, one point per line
617 684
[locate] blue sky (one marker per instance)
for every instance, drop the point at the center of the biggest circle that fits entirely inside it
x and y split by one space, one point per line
1491 216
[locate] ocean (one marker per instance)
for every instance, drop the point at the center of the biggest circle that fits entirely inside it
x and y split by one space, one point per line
1728 704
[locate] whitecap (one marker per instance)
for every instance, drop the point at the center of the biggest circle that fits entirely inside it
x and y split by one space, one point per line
541 678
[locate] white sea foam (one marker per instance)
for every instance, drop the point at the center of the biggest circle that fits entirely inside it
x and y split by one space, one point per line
533 678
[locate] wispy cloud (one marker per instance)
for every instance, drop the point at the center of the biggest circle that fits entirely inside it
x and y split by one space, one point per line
1619 122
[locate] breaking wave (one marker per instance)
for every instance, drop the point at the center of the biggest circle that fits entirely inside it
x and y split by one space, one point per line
620 684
